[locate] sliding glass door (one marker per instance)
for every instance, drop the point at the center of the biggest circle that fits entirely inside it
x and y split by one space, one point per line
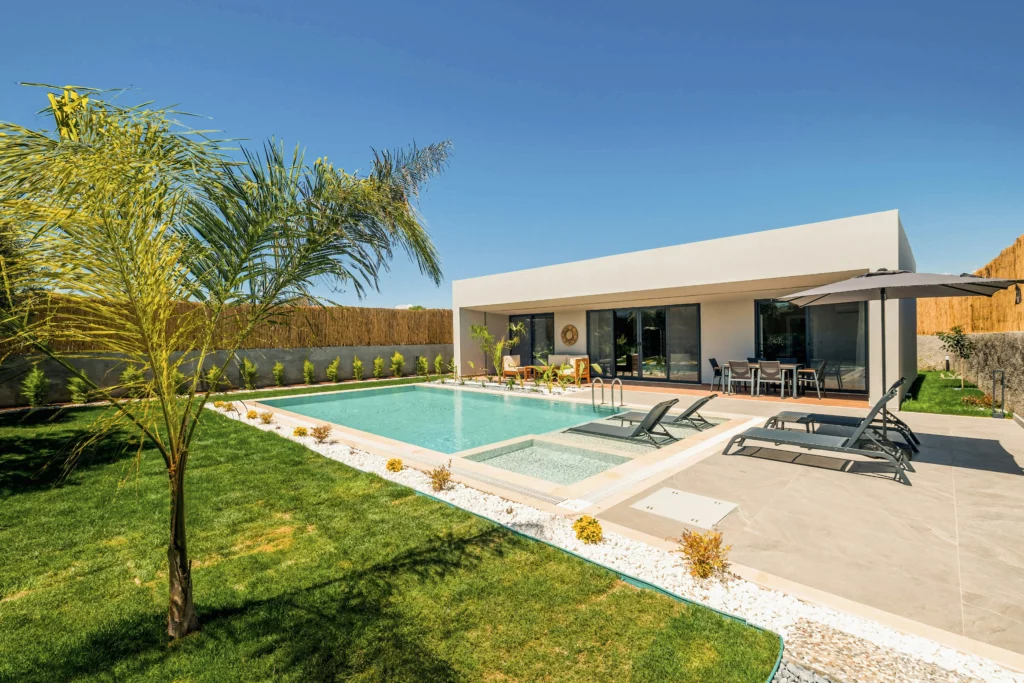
538 342
835 334
659 343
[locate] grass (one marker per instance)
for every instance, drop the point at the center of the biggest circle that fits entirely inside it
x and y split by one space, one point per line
307 570
931 393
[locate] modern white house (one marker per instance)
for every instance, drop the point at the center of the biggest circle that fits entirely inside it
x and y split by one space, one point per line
661 315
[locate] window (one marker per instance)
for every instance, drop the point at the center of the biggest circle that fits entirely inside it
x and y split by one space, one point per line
539 341
659 343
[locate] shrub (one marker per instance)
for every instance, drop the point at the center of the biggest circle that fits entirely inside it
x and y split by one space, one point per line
439 365
220 405
132 381
278 372
178 380
252 414
977 401
266 417
215 378
588 529
394 465
35 387
250 373
308 372
357 368
378 367
321 433
441 476
421 365
332 369
79 390
397 363
300 431
705 554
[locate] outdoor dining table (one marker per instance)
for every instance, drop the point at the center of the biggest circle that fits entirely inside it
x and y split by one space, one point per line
791 368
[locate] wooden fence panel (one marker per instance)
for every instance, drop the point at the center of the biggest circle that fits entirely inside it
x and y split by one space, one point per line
977 313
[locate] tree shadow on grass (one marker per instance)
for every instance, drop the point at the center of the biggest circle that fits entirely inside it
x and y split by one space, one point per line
34 459
351 626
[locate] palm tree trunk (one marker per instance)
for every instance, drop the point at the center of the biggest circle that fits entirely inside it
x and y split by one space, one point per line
181 615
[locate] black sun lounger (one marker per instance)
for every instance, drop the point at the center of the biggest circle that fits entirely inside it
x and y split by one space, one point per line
644 431
812 420
861 442
688 418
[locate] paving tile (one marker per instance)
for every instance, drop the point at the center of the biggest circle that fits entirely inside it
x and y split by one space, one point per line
996 629
870 581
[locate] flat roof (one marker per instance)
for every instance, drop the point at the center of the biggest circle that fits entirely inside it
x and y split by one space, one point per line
798 256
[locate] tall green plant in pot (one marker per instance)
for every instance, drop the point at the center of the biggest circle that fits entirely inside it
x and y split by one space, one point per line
126 213
494 347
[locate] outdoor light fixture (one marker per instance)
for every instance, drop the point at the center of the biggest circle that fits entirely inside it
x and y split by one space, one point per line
1000 412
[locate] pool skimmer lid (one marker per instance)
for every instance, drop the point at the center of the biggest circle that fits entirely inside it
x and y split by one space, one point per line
685 507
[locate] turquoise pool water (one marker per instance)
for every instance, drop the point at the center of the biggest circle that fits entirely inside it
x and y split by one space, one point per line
552 462
444 420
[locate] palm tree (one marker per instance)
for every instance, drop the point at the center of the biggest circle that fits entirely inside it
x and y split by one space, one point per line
140 237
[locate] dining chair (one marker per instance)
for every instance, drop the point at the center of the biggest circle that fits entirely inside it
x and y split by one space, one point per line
717 374
770 372
740 372
788 361
813 375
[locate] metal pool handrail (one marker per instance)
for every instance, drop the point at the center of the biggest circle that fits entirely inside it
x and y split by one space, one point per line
621 401
593 395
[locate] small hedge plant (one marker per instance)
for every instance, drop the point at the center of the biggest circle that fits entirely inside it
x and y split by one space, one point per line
332 369
252 414
132 381
308 372
397 363
439 365
441 476
321 433
278 372
78 388
588 529
394 465
300 431
266 417
250 374
421 365
704 553
357 368
35 388
215 379
378 367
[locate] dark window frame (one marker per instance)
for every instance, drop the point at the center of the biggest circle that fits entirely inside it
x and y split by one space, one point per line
639 322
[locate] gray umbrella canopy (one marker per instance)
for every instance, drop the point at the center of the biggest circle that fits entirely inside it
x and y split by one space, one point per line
883 284
899 284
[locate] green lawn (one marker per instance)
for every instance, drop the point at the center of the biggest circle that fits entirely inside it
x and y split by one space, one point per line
930 393
307 570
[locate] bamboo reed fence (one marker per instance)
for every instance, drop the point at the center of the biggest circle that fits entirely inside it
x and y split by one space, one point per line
978 313
303 327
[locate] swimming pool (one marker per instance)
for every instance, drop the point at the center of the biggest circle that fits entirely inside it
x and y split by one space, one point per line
444 420
554 462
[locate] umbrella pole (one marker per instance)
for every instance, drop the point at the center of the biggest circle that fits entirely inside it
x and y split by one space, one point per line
885 350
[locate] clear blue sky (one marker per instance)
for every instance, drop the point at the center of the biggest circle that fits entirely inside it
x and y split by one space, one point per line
585 129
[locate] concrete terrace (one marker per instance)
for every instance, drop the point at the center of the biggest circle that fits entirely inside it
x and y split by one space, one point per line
947 552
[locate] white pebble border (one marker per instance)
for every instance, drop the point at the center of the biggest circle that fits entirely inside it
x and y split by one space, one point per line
771 609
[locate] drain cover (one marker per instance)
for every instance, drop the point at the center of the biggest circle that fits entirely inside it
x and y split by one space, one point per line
685 507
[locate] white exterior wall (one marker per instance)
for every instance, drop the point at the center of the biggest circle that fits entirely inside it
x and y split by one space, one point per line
725 276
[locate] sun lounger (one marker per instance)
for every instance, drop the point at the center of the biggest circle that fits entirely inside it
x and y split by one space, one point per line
861 442
688 418
643 431
811 420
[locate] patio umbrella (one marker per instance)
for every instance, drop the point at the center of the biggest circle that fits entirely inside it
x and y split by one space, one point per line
882 285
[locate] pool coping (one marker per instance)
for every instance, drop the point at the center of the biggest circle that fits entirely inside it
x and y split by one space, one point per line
520 487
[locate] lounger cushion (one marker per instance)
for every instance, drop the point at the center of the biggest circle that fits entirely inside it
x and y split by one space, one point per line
603 429
805 439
